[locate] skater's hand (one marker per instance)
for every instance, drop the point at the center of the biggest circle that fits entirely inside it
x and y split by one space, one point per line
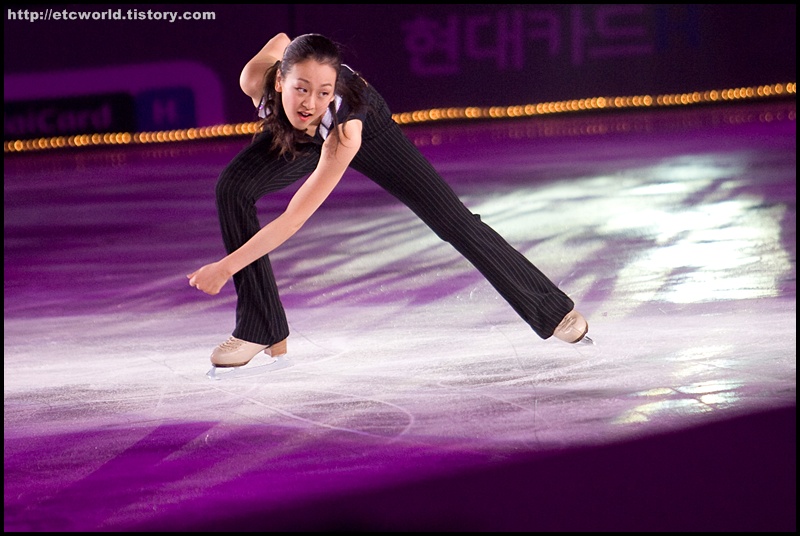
210 278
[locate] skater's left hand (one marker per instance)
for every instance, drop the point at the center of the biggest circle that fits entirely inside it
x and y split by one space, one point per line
210 278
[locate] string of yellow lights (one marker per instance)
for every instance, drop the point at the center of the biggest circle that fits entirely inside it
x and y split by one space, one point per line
780 90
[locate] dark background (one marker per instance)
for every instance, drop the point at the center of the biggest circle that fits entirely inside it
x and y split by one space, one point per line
420 56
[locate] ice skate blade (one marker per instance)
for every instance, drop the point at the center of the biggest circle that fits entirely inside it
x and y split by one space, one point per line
586 347
252 369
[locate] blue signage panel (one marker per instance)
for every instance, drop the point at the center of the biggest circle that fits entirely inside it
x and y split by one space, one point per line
165 109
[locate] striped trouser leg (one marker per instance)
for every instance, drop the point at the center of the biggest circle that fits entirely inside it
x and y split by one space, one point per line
252 174
395 164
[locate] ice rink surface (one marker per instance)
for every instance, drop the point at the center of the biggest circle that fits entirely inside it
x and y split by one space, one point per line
412 396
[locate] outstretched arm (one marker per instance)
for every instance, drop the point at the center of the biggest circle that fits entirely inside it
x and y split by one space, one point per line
332 164
252 78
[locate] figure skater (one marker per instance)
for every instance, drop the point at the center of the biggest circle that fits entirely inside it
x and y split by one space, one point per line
320 117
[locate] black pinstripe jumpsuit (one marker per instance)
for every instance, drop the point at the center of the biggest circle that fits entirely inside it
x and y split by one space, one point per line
388 158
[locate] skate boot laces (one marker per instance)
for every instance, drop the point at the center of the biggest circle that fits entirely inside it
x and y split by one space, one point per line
231 344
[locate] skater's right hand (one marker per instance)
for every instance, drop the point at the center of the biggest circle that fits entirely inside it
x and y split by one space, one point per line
210 278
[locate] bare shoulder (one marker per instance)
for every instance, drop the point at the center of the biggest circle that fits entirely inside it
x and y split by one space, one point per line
350 135
343 148
352 128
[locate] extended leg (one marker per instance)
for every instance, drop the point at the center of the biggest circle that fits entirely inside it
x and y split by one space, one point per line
394 163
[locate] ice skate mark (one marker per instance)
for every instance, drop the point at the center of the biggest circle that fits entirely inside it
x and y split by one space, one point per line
312 422
333 351
515 375
407 413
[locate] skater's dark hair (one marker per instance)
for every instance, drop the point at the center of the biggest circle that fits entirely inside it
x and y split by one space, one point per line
305 47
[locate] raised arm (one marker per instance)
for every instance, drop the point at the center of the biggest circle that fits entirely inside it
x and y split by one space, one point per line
252 78
333 163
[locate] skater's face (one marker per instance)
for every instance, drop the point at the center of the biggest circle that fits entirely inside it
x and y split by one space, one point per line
306 91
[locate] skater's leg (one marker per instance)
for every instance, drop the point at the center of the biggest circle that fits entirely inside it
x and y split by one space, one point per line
253 173
395 164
